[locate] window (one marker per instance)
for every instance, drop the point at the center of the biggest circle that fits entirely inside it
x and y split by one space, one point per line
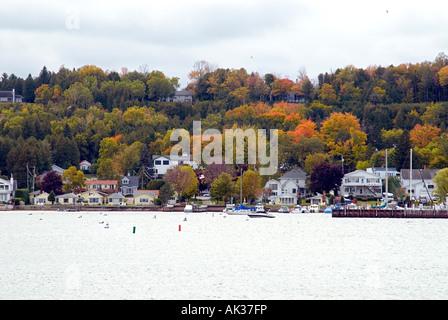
158 162
166 162
145 200
294 190
125 181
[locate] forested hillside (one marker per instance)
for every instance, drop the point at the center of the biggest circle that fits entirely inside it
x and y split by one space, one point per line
117 120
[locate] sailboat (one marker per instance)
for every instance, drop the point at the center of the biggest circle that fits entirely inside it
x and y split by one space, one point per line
253 212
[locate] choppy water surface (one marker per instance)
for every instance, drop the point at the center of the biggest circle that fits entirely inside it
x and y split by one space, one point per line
60 255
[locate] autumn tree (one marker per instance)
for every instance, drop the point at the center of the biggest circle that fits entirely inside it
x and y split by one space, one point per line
327 94
326 177
251 185
52 182
183 180
343 136
421 136
73 179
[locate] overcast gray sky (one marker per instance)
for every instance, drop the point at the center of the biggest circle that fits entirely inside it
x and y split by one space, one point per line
279 37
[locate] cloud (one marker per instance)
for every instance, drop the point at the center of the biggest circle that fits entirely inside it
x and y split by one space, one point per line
262 35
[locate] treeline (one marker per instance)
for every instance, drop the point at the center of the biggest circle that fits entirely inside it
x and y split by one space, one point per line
118 120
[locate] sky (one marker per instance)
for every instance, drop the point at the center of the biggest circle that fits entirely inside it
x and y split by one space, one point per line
281 37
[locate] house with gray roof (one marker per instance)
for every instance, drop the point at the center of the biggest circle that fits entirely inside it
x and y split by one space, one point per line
422 183
10 96
288 188
129 185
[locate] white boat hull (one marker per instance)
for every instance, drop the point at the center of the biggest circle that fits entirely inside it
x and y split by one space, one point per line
260 215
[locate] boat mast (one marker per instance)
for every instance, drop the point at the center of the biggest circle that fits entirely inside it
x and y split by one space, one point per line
387 181
241 186
410 177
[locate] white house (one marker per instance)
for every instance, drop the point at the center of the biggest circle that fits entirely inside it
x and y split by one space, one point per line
422 183
10 96
84 165
381 172
6 189
162 163
360 183
288 188
181 96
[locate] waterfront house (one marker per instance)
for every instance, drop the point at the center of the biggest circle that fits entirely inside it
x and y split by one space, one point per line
129 185
288 188
116 199
422 182
40 199
145 197
6 189
96 198
106 186
66 199
362 184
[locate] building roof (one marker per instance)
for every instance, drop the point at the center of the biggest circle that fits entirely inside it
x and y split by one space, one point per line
8 94
67 195
361 172
154 193
183 93
94 182
133 181
294 174
117 195
426 174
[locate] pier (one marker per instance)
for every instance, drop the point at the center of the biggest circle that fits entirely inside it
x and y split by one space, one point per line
387 213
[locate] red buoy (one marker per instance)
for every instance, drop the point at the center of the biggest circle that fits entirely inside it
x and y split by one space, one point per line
179 227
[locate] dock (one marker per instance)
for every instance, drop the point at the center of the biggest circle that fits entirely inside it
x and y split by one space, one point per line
390 213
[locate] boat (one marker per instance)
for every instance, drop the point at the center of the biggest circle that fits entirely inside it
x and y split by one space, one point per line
260 208
328 210
241 210
195 208
283 209
256 214
229 208
314 208
300 209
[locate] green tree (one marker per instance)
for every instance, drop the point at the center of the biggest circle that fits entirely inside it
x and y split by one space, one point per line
73 179
441 181
165 193
51 197
251 185
223 187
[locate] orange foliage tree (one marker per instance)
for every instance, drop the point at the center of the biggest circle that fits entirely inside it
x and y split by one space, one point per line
421 136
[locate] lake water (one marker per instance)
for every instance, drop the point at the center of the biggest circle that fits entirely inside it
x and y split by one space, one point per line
60 255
